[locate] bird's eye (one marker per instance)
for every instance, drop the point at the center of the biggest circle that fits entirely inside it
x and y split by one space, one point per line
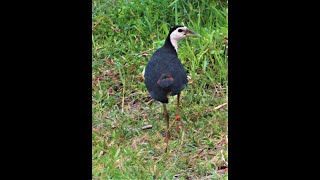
179 30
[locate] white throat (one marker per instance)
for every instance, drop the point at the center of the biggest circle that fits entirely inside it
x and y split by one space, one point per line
174 43
176 36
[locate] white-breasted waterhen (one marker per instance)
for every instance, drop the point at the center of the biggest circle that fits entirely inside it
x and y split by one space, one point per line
165 75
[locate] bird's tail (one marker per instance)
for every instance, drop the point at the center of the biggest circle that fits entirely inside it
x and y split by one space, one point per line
165 80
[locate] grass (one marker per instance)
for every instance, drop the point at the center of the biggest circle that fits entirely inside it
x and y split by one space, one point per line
125 33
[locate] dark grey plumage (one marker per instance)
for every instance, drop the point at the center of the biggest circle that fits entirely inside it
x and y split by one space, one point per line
164 73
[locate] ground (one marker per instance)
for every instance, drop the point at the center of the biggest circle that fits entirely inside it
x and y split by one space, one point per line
125 33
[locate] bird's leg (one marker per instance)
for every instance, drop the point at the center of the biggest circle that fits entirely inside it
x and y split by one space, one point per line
177 119
166 115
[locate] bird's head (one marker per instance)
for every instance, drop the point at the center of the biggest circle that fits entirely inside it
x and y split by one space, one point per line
180 32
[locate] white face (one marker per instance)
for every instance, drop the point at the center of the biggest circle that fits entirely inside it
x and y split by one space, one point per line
178 34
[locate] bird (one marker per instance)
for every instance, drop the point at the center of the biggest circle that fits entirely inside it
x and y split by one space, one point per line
165 75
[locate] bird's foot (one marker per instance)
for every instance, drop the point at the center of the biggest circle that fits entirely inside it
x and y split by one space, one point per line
178 121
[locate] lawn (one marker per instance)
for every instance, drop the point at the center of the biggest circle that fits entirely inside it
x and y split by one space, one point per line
125 33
